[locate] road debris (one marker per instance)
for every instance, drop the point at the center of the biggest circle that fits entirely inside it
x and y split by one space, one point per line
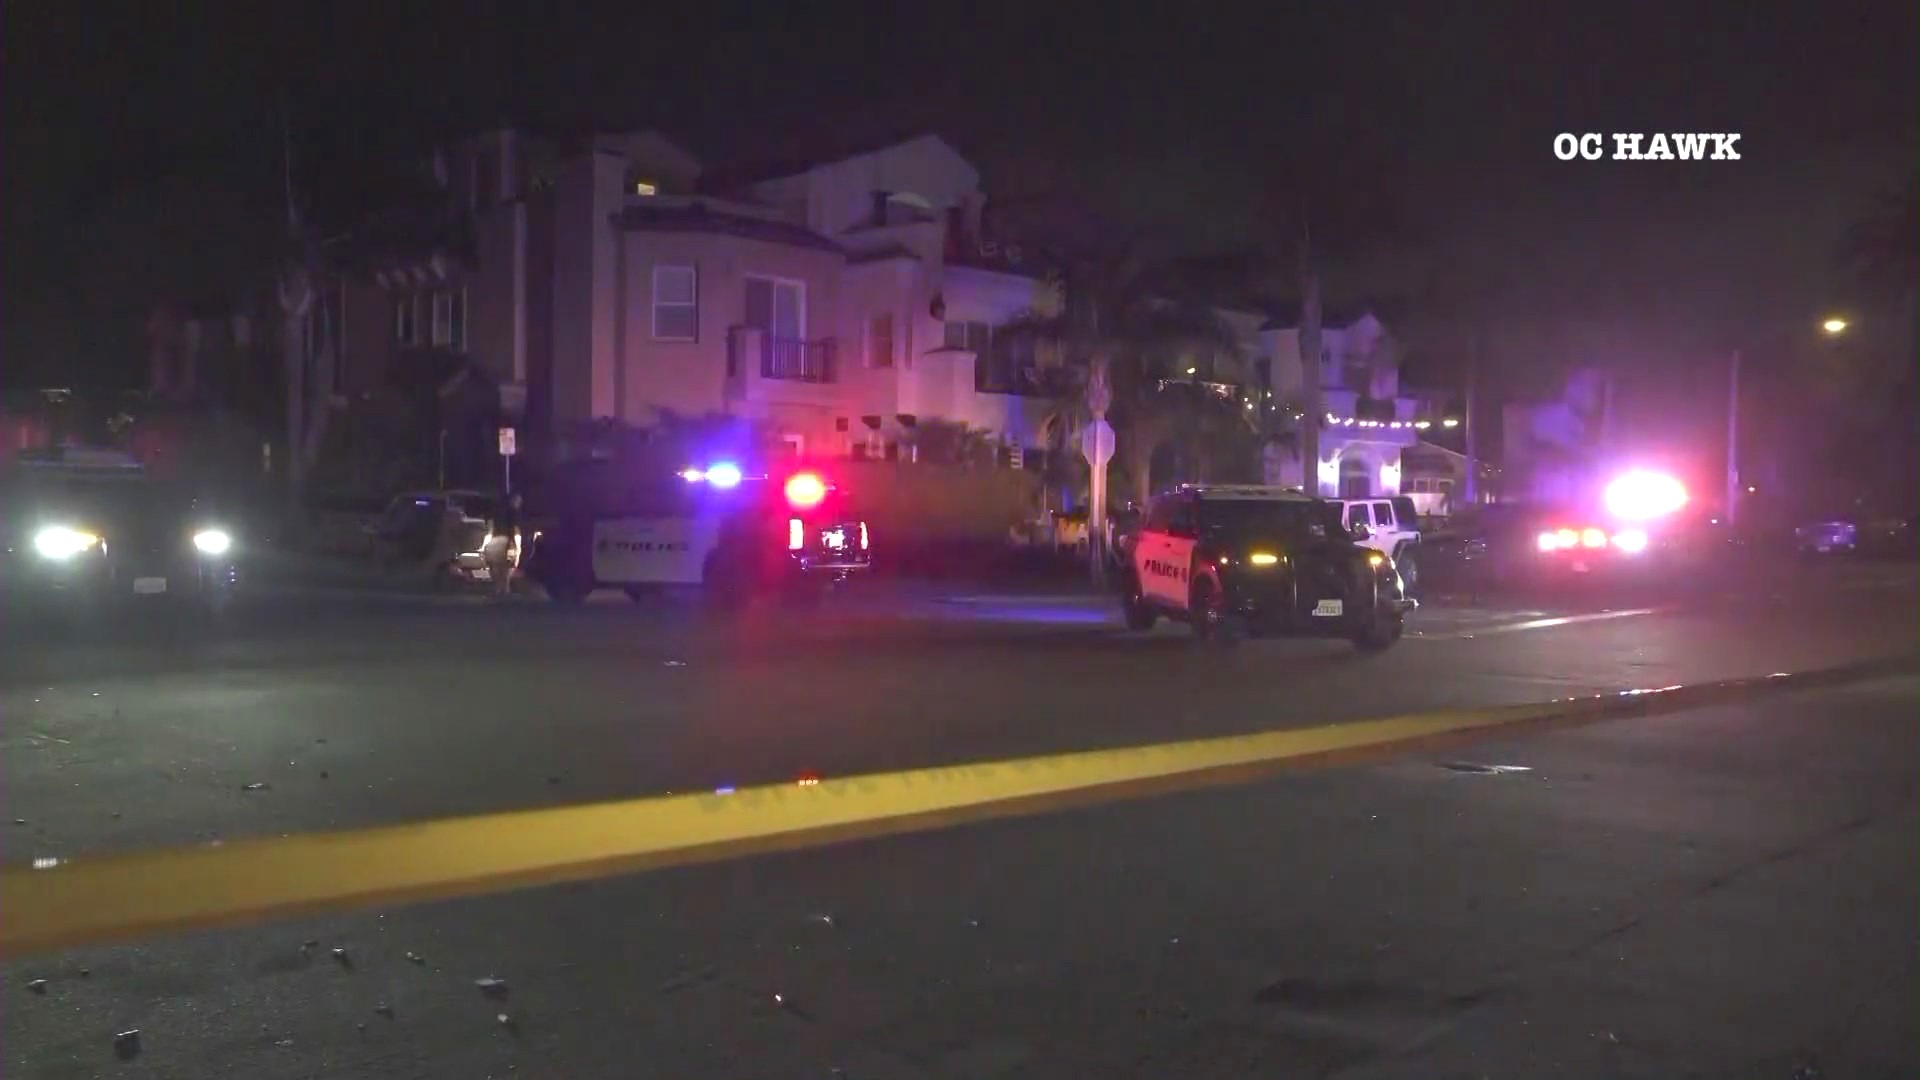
38 986
127 1043
257 785
1483 770
383 1009
416 958
492 986
340 954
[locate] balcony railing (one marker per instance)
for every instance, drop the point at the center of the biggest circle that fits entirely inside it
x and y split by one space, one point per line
796 360
790 359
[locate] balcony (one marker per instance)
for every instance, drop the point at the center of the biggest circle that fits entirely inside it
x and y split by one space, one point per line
786 359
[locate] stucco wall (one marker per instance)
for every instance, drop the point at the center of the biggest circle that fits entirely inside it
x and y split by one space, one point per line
690 377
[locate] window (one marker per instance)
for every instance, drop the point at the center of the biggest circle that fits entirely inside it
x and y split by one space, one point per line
645 187
486 177
1007 365
459 320
450 319
1358 514
974 336
777 307
676 306
406 328
880 341
1183 522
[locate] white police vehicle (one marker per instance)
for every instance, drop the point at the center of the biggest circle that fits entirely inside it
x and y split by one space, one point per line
1246 560
785 531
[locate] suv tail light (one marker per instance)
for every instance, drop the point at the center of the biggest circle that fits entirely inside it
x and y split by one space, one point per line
796 534
863 536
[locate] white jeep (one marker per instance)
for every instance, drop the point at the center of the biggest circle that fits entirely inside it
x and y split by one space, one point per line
1392 528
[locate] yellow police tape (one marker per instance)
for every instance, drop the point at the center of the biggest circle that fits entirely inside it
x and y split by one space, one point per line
62 904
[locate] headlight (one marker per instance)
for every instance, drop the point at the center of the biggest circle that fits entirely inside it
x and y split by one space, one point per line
212 541
1375 559
60 542
1263 558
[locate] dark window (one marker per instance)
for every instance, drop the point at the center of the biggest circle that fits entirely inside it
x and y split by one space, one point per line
457 340
1270 519
1183 521
974 336
676 307
1358 514
1159 515
486 176
880 341
406 329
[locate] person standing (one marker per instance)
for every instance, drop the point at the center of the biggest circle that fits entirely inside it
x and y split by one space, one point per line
503 545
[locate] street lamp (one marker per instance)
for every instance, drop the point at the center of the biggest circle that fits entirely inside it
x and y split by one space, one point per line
1834 326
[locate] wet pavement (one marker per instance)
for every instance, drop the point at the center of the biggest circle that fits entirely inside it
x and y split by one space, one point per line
1729 891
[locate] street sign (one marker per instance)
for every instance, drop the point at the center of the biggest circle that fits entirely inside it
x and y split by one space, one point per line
506 442
1096 442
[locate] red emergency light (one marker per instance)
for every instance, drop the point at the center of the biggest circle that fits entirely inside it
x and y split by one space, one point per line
805 490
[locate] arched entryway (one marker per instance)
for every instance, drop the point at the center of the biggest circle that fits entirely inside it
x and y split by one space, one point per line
1356 477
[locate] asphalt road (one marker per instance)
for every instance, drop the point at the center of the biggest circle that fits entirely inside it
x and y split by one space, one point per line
1726 892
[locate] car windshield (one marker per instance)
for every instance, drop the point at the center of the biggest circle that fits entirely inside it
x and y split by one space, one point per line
1271 519
95 500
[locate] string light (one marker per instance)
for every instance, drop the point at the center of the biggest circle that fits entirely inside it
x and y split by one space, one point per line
1414 425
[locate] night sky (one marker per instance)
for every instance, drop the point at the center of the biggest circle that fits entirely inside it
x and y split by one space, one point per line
142 142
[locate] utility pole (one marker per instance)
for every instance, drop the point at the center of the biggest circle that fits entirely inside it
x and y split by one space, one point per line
1307 338
1733 439
1473 429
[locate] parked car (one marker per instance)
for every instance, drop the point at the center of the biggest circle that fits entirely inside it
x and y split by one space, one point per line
1531 545
440 533
1389 525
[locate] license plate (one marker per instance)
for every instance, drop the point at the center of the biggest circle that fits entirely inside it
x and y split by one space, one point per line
1330 608
835 538
483 574
148 586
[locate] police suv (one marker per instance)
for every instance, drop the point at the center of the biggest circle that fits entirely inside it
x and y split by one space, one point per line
784 532
87 529
1245 560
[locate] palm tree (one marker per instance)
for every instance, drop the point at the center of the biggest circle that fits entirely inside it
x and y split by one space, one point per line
1118 347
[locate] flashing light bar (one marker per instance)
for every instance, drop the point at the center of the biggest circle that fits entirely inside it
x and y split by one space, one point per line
1629 541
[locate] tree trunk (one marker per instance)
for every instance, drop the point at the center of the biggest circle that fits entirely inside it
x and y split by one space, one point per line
296 308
